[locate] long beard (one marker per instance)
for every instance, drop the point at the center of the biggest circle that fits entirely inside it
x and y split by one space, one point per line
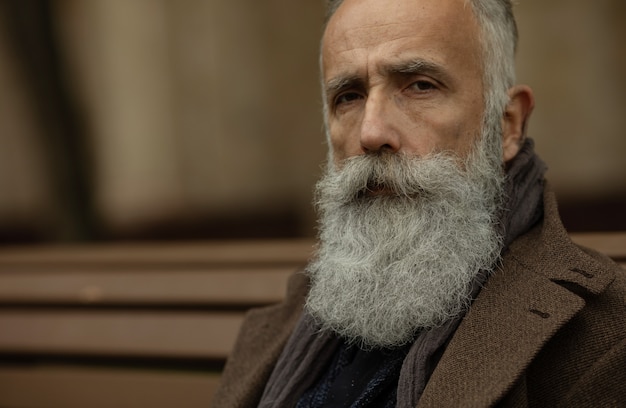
393 263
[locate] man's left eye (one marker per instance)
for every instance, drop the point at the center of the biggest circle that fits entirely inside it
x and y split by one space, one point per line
423 85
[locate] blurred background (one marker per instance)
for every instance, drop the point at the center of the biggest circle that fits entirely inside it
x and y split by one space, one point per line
199 119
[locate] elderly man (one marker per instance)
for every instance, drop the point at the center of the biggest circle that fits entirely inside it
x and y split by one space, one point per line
443 276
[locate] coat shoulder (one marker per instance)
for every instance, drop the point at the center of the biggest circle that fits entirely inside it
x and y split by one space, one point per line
261 339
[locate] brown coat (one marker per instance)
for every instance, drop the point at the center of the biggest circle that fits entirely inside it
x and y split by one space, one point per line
548 330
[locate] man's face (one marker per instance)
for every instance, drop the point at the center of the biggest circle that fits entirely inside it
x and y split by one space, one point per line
404 232
403 76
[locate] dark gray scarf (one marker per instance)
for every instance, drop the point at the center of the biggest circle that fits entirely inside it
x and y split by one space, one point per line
308 350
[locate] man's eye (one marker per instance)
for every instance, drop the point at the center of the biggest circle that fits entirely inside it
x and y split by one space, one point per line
347 97
423 86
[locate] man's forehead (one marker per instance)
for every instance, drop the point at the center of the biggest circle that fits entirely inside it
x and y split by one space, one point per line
367 14
440 30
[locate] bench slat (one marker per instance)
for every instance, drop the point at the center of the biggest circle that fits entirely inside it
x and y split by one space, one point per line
244 287
80 387
293 251
120 334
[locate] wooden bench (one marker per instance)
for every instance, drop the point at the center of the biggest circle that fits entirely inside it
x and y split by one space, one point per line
140 325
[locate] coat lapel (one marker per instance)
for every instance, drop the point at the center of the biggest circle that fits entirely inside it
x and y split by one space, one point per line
522 306
515 314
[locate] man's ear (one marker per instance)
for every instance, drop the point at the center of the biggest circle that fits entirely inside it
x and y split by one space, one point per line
516 114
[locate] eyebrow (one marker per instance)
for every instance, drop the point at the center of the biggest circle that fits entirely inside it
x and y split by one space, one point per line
341 82
418 66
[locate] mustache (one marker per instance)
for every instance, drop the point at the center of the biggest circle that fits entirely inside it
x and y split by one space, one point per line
386 174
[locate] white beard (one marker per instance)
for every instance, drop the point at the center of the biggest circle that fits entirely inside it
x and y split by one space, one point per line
389 265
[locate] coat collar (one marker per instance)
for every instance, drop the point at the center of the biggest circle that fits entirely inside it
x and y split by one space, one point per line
522 306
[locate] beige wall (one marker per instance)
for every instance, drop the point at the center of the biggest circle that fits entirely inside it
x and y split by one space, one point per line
197 106
205 108
572 53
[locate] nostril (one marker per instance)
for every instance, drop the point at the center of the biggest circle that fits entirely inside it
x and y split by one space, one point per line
385 147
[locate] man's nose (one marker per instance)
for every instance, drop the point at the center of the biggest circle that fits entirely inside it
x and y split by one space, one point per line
378 132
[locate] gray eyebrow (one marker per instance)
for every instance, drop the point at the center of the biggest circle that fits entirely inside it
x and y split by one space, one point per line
417 66
341 82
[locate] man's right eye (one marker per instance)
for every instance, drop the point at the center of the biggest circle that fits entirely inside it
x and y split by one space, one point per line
347 97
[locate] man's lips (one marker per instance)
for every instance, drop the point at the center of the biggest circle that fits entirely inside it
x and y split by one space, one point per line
377 190
383 190
380 191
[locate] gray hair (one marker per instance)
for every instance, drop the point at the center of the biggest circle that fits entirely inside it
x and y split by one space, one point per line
499 43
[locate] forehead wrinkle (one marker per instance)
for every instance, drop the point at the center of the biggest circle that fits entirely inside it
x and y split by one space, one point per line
365 30
344 51
345 41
